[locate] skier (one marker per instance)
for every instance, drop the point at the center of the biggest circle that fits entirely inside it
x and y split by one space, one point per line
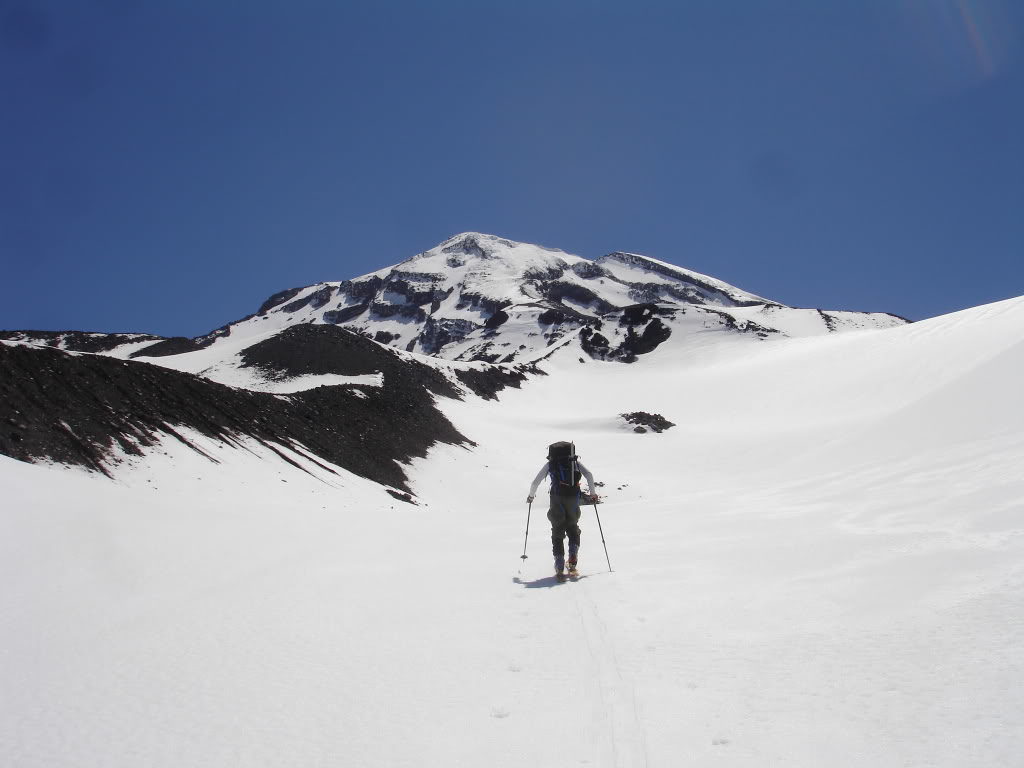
564 470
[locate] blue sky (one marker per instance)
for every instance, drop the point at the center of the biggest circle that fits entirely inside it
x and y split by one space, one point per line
166 166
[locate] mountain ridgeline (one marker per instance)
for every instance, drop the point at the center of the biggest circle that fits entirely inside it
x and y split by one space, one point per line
348 373
479 297
97 412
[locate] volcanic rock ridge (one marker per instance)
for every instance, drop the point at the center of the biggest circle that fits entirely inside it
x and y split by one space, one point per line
95 411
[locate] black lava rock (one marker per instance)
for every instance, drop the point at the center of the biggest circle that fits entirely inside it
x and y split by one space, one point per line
79 341
87 409
653 421
488 382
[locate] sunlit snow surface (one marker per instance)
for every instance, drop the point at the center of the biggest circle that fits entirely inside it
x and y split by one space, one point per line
820 565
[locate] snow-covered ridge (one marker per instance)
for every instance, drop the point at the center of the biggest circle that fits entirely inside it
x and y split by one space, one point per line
668 274
112 344
481 297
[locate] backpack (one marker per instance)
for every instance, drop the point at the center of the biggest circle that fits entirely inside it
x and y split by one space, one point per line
565 475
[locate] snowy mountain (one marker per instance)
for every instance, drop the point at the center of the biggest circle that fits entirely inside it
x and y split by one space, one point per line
816 540
480 297
446 314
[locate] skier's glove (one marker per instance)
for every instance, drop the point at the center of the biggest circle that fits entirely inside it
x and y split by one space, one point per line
529 499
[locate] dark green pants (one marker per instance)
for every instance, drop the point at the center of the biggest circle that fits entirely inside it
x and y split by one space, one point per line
564 514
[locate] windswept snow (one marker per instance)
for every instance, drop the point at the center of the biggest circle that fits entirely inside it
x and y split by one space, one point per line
819 565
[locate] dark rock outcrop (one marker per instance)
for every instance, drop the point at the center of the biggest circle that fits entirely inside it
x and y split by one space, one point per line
544 274
79 341
479 302
830 322
361 289
416 288
315 300
496 320
279 298
88 410
643 316
588 270
339 316
174 346
709 292
654 334
489 382
638 314
559 291
321 349
644 421
408 311
594 343
551 317
437 333
745 326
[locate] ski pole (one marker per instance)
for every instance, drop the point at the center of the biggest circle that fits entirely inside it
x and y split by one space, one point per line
528 509
602 536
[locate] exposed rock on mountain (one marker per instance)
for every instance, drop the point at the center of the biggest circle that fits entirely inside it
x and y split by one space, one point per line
304 350
79 341
644 421
487 382
92 410
481 297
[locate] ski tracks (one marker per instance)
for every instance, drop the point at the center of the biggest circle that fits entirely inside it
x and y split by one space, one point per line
615 693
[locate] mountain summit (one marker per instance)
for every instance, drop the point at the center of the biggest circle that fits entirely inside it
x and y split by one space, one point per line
485 299
481 297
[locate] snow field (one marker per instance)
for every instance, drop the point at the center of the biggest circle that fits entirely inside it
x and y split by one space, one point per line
818 566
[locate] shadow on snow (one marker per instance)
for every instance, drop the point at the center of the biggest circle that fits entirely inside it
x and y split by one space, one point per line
546 582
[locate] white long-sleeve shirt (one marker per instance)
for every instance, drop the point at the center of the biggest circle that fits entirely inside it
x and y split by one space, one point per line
547 468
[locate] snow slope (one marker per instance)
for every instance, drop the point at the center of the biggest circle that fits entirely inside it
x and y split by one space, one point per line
819 565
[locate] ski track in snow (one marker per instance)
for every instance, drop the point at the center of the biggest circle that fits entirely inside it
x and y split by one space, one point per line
579 652
627 741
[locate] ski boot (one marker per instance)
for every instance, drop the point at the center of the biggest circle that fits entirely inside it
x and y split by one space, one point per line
559 569
571 562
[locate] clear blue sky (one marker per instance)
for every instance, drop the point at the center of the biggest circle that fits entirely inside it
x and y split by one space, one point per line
165 165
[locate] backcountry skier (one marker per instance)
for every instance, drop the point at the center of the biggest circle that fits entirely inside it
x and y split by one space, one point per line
564 469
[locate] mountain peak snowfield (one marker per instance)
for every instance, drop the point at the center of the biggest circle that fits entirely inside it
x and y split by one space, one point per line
478 297
819 564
